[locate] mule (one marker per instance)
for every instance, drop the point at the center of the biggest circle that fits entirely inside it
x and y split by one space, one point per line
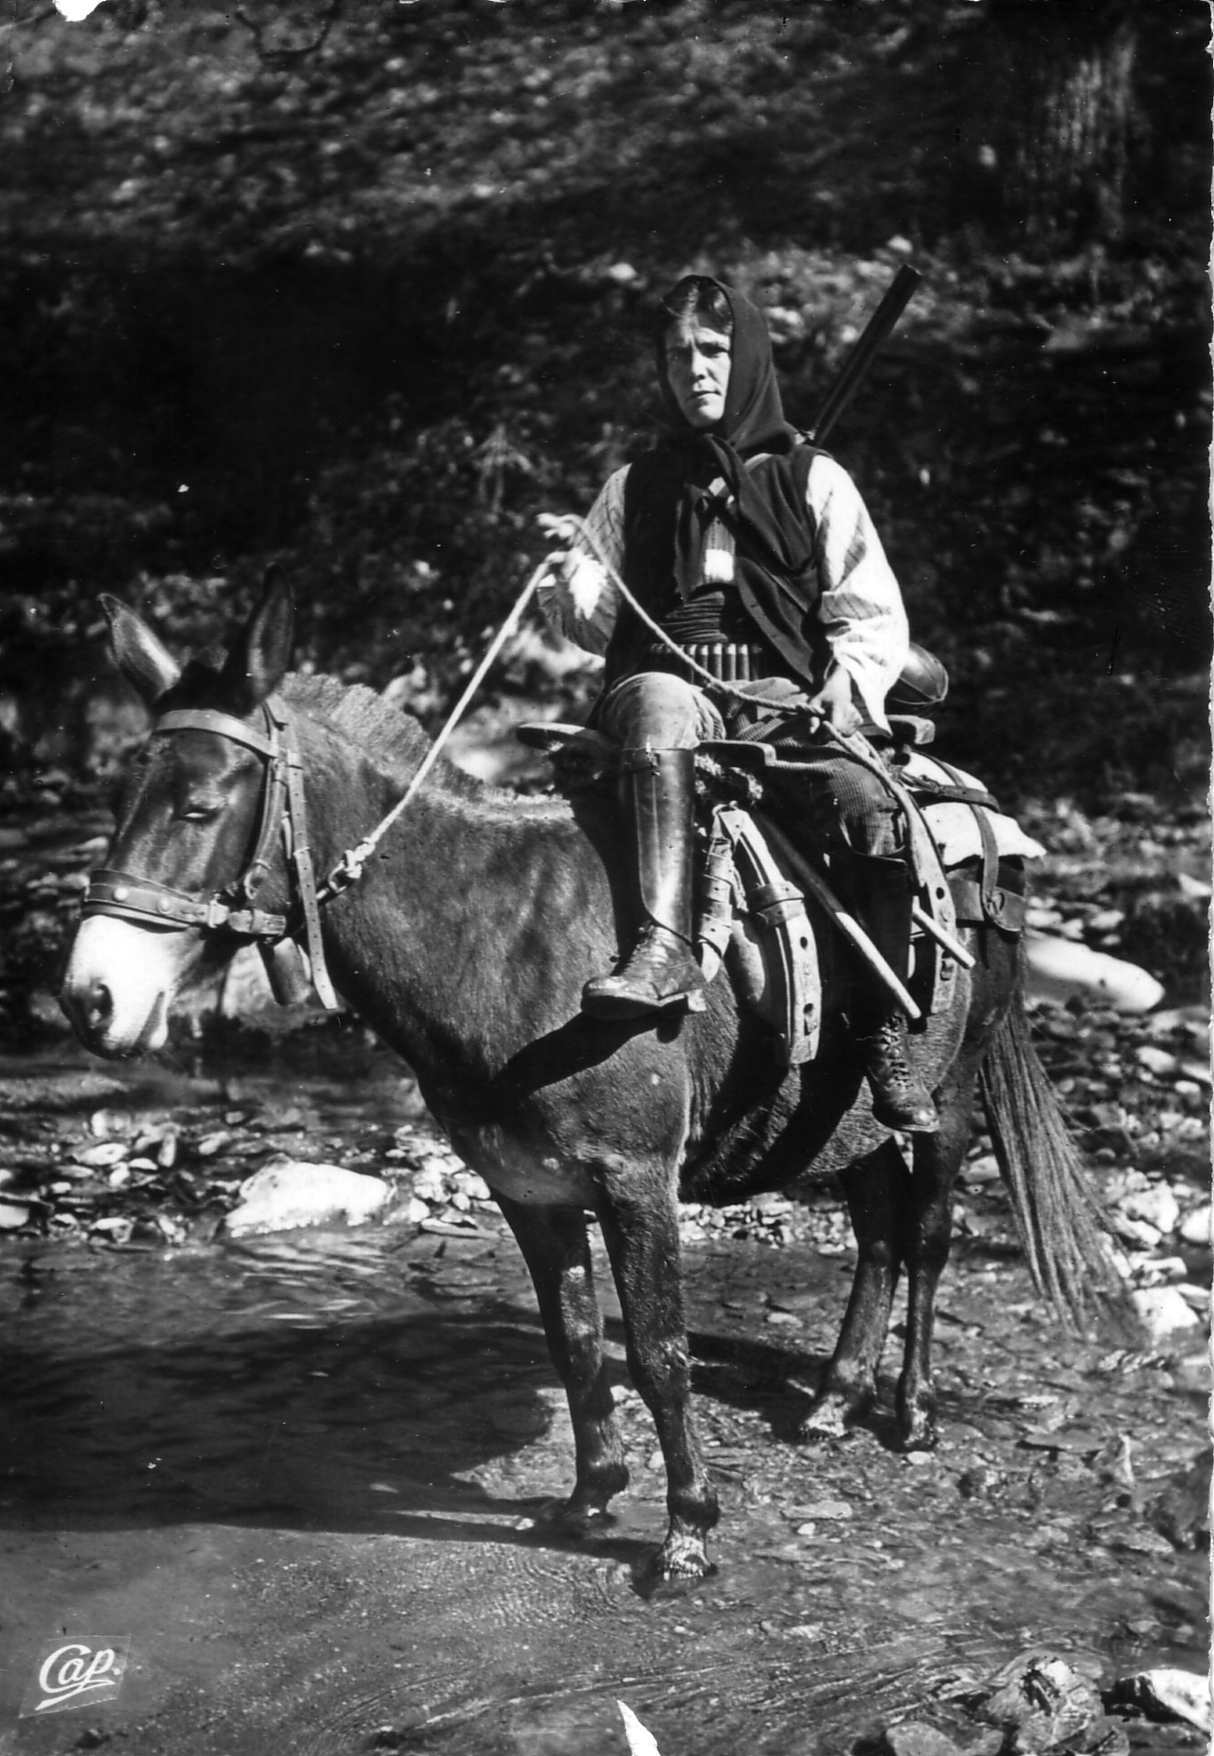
464 945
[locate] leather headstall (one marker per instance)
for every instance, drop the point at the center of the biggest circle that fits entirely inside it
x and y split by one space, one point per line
232 908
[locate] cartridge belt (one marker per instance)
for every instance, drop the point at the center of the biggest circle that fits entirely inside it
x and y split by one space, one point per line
728 661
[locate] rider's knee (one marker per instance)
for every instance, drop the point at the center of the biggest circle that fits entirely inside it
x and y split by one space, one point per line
658 709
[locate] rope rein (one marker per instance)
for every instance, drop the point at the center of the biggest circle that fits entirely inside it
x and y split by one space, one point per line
851 744
581 529
350 866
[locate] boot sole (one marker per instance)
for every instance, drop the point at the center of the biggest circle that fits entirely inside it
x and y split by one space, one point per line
610 1006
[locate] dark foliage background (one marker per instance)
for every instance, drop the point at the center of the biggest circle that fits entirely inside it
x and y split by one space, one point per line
361 287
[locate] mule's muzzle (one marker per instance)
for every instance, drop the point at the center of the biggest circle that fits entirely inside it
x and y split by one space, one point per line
116 989
89 1006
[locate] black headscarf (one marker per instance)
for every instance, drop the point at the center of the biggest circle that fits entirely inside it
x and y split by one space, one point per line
753 423
690 477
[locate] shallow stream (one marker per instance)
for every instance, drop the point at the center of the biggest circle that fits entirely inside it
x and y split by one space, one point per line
301 1474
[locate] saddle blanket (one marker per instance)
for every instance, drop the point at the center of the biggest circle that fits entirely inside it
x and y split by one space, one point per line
954 825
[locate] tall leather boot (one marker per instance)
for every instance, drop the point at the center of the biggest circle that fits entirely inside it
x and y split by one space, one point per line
880 894
657 793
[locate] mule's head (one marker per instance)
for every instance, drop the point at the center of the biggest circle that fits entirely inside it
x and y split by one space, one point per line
188 819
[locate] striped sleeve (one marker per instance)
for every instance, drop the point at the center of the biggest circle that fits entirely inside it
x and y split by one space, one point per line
577 595
861 606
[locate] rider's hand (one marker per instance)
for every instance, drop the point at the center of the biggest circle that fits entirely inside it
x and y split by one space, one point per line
836 704
560 564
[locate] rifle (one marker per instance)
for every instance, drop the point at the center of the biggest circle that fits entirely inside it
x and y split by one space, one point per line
897 296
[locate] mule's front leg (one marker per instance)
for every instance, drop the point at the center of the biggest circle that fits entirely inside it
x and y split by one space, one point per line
642 1238
556 1248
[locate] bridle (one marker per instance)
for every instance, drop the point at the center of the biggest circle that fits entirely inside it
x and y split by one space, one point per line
233 907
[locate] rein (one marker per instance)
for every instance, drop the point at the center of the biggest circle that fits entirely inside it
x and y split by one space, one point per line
132 897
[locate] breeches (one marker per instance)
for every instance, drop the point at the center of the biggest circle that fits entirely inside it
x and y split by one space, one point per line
833 798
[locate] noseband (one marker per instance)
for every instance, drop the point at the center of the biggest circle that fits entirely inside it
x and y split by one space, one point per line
283 814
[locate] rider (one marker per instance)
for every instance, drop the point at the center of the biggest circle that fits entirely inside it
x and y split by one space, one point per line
754 553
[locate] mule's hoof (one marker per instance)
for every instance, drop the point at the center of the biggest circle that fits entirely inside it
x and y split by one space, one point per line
675 1568
573 1518
918 1433
832 1416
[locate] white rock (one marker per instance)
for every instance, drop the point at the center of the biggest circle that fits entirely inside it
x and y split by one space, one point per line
641 1741
1195 1227
1162 1311
1158 1271
106 1153
430 1185
1060 970
1156 1206
1169 1694
1157 1061
287 1193
1134 1232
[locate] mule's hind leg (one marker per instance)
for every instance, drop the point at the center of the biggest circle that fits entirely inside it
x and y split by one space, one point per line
877 1188
926 1240
642 1238
556 1248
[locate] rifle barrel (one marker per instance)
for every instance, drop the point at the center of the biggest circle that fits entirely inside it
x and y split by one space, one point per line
897 296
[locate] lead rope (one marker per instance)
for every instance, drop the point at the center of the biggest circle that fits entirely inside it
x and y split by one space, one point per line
349 867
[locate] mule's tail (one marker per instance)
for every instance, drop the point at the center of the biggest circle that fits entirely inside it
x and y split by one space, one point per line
1063 1228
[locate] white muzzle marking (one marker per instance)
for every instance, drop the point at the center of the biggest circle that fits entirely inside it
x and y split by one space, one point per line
119 984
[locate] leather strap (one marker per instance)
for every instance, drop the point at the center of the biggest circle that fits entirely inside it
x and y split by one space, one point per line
206 719
305 877
147 899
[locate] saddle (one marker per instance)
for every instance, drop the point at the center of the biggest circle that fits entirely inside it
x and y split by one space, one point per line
764 901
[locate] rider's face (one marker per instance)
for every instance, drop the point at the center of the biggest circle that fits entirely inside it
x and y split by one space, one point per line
697 370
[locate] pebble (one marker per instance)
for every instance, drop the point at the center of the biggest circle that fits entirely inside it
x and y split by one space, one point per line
107 1152
1157 1061
1157 1271
430 1185
1196 1227
1162 1311
828 1509
1134 1231
1155 1206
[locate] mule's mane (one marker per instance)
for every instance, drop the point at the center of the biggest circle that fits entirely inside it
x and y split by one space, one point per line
392 740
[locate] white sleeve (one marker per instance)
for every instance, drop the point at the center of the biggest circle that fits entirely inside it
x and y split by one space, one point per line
861 606
582 602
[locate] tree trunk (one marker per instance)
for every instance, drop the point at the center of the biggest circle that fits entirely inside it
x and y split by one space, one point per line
1046 130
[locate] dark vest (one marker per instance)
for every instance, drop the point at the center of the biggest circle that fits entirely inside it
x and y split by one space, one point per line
779 603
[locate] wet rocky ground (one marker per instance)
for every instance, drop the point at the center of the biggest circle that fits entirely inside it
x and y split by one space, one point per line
301 1468
302 1472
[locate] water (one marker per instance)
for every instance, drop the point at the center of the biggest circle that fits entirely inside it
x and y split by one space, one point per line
302 1476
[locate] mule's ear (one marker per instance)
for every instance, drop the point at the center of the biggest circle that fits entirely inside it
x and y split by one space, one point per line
141 657
259 658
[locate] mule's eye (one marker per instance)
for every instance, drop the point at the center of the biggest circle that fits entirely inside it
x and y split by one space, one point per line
195 811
